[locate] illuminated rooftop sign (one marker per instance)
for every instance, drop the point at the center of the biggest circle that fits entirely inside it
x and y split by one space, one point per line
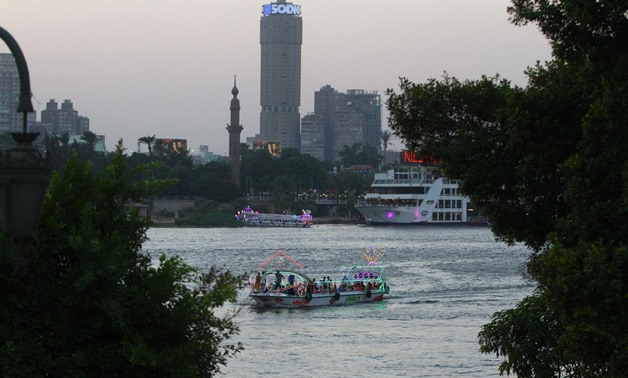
410 157
281 8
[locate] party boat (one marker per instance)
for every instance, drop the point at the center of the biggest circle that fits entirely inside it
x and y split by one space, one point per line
289 287
249 217
415 195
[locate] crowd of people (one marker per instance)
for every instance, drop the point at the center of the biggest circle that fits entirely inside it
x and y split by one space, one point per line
362 281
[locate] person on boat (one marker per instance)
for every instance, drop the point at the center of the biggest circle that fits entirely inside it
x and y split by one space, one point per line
290 290
345 283
278 278
257 283
327 284
262 282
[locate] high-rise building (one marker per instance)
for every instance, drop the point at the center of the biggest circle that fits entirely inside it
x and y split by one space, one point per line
10 119
64 120
281 35
368 104
313 136
327 102
347 118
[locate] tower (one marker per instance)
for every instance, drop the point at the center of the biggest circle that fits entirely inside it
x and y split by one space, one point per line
234 128
281 35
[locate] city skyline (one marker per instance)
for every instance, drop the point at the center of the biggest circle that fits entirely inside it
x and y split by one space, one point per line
155 68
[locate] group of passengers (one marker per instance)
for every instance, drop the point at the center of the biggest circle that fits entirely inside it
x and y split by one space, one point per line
325 286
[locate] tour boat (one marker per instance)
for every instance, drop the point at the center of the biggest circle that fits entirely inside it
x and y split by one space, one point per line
248 217
288 287
416 195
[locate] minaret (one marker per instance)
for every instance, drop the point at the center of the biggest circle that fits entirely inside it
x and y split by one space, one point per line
234 128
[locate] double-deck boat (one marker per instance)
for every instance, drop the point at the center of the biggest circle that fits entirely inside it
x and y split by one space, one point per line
416 195
290 287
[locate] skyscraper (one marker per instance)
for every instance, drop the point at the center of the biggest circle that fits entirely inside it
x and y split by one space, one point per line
368 104
347 119
281 35
10 119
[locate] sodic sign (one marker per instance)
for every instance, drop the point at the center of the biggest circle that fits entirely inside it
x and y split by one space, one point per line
268 9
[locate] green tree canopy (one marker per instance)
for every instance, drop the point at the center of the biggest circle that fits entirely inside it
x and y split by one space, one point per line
548 164
359 155
86 301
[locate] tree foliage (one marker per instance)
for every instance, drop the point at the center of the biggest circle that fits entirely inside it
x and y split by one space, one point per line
359 155
86 301
548 164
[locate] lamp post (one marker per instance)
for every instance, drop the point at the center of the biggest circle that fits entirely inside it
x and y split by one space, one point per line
24 174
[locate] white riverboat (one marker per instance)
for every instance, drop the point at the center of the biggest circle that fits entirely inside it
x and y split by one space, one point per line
289 287
416 195
249 217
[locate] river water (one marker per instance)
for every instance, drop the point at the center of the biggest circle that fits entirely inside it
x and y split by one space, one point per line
446 282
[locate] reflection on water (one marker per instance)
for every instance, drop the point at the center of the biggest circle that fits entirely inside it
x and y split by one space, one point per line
446 282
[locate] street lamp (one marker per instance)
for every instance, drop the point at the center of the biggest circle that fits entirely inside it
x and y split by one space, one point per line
24 174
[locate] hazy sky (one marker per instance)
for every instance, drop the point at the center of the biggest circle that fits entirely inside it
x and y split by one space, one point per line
165 68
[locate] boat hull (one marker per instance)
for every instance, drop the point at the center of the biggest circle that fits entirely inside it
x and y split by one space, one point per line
392 215
316 300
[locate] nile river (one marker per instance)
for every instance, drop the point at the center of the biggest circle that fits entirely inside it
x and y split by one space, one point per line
446 282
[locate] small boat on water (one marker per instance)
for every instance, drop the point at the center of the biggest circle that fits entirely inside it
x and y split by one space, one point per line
290 287
248 217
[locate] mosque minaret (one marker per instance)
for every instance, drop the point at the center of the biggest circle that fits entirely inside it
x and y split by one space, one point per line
234 128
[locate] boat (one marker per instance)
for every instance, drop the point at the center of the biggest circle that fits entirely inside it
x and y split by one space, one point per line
249 217
293 287
416 195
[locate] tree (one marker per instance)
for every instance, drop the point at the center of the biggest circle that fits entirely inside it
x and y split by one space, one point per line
548 164
86 301
359 155
212 181
299 172
63 139
90 139
385 136
148 141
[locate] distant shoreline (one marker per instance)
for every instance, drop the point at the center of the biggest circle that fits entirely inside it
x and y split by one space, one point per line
171 222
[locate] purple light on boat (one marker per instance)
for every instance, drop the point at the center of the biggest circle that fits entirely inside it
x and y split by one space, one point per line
390 215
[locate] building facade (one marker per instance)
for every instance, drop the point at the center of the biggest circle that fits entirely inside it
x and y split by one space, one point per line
367 104
10 119
281 35
63 120
313 136
354 117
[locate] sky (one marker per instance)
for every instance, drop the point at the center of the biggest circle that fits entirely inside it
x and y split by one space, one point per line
166 68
